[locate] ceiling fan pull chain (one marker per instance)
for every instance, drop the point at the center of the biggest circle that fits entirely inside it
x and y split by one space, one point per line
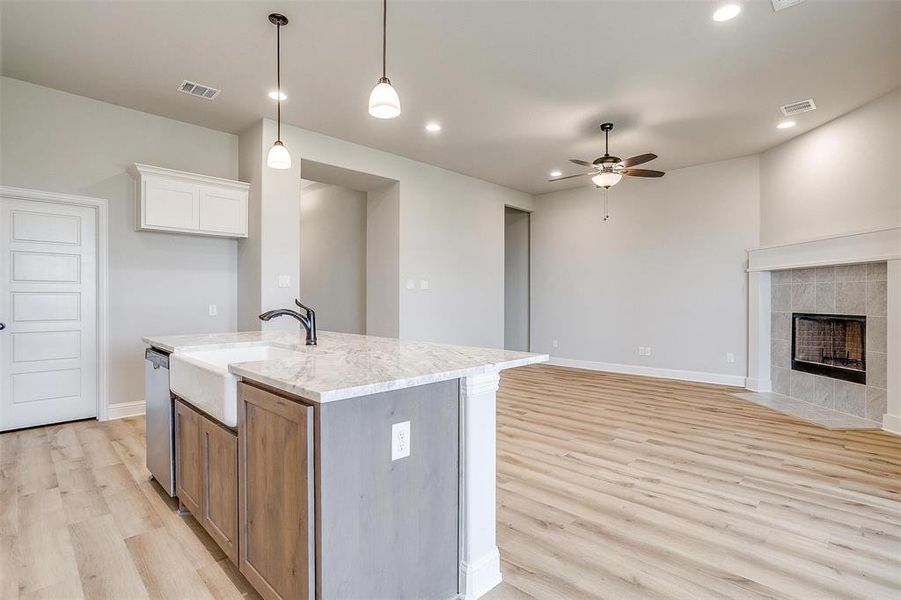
606 211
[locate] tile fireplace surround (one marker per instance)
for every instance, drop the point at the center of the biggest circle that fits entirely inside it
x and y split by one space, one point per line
858 289
853 274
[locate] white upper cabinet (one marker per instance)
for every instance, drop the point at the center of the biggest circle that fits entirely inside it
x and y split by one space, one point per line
180 202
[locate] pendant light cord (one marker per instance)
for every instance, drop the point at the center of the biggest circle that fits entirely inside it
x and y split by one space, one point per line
384 39
278 79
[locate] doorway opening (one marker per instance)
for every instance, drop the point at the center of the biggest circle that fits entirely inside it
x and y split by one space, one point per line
517 253
349 231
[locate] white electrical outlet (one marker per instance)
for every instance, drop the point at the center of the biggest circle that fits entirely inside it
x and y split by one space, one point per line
730 357
423 284
647 350
284 281
555 344
400 440
213 310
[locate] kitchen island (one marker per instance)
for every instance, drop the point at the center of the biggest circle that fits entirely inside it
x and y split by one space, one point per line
365 465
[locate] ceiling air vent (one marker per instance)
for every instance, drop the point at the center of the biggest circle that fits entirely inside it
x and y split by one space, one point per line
796 108
781 4
196 89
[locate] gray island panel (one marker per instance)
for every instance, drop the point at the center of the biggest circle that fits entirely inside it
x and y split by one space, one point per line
389 529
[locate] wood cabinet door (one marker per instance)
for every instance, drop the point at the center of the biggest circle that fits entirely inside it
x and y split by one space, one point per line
220 486
188 458
275 437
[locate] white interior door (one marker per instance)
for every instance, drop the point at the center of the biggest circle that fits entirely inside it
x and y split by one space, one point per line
48 348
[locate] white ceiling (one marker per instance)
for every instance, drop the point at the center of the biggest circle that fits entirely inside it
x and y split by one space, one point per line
519 87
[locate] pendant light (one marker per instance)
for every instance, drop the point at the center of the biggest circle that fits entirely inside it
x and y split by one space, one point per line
383 101
278 157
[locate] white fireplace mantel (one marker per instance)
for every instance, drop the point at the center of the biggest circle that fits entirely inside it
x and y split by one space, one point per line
877 245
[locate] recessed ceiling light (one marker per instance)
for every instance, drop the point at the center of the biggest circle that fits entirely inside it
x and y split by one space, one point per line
274 94
433 127
785 124
726 12
556 173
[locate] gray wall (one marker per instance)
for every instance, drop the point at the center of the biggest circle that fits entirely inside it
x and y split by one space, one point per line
842 290
437 211
842 177
158 283
333 255
382 261
666 271
516 279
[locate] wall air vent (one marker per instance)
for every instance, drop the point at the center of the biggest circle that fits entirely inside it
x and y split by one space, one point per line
796 108
196 89
782 4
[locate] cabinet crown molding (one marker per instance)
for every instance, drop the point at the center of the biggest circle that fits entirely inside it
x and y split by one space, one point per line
138 170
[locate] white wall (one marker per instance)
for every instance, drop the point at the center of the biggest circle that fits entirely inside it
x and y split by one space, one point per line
333 255
450 232
666 271
842 177
159 283
516 280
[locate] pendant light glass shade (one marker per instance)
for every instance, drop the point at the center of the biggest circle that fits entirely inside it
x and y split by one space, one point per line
278 157
606 179
384 102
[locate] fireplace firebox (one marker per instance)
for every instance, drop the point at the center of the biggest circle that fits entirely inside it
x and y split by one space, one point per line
830 345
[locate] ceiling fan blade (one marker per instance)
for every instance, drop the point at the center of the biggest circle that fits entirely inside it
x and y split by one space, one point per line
638 160
571 176
642 173
580 162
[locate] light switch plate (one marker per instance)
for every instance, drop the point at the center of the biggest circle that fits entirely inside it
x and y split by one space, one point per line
411 284
400 440
284 281
213 310
423 284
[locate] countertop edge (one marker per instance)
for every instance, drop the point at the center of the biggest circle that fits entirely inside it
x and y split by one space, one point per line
380 386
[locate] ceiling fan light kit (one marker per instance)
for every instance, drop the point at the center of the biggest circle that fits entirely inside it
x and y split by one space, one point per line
608 170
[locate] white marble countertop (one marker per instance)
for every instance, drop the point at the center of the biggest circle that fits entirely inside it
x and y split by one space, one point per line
344 365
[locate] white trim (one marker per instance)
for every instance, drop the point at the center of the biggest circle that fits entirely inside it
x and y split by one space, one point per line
480 565
101 206
698 376
480 577
866 246
759 385
891 423
137 170
125 409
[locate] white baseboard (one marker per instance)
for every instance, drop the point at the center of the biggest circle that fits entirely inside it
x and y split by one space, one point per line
699 376
478 578
758 385
891 423
125 409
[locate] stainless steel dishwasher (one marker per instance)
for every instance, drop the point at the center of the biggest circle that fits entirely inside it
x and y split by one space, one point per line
159 419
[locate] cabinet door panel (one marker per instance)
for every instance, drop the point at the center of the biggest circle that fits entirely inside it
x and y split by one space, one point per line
276 504
188 458
170 204
223 210
220 497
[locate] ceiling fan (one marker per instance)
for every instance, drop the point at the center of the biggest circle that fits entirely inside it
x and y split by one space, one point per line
607 170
